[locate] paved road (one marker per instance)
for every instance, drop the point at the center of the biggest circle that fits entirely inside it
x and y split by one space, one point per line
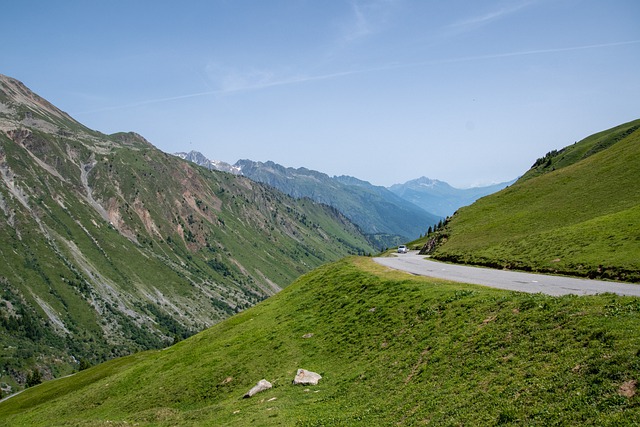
503 279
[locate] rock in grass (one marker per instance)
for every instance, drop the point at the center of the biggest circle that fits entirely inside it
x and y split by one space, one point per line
261 386
306 377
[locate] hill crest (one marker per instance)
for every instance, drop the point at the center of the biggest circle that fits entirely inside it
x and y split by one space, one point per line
384 351
577 213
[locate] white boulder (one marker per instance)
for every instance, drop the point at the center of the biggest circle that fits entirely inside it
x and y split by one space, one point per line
261 386
306 377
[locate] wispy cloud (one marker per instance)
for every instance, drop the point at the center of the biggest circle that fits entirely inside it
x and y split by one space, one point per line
244 83
234 84
539 51
366 17
227 79
474 22
359 26
259 80
266 83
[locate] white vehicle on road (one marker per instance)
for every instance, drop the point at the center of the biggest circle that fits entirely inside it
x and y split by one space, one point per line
402 249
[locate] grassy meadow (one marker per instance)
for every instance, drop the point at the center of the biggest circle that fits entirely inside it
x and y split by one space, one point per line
393 349
576 212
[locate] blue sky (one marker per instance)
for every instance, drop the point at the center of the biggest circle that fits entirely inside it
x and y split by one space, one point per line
469 92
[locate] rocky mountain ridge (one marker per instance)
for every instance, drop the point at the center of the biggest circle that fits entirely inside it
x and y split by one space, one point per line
388 215
385 218
200 159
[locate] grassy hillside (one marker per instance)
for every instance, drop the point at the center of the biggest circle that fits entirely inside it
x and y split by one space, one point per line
577 211
393 349
581 150
109 246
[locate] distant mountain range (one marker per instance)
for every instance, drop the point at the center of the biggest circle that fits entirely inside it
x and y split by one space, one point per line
389 216
200 159
385 218
441 198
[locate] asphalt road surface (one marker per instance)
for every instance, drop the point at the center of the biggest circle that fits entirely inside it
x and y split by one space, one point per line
511 280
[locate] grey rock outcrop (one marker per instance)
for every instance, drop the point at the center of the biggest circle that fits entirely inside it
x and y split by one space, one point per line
306 377
261 386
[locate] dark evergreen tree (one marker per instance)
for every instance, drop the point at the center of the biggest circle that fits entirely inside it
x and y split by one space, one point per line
34 378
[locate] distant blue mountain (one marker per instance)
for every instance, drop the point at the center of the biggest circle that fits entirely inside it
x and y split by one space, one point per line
439 197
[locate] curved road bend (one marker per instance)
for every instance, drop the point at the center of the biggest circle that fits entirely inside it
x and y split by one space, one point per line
511 280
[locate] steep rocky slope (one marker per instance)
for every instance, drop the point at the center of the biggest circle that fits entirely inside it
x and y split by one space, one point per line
109 246
386 218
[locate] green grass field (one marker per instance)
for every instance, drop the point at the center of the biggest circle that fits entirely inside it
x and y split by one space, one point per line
393 349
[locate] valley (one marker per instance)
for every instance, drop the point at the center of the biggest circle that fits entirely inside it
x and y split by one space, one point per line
109 246
168 290
393 213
